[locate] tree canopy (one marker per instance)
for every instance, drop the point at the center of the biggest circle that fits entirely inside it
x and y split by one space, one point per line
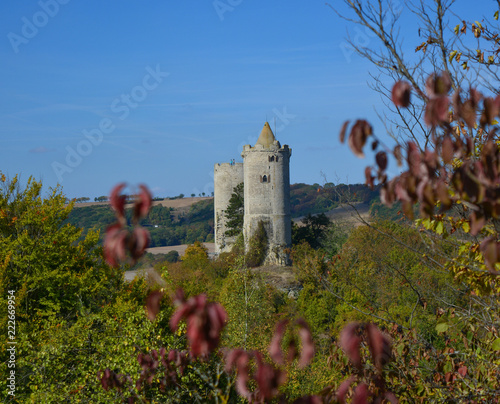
234 212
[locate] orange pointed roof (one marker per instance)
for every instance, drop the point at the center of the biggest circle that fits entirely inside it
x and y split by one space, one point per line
266 137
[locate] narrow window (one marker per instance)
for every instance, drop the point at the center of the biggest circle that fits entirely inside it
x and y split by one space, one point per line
264 178
277 159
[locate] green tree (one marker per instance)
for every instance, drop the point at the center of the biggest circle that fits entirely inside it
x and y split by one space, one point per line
334 238
42 259
195 272
312 230
257 247
235 212
172 256
56 277
249 304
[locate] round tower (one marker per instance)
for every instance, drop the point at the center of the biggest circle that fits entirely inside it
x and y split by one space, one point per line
266 168
226 177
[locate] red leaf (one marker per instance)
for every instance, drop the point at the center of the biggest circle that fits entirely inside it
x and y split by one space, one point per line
115 244
443 195
477 221
268 378
232 357
118 201
391 397
490 249
179 297
414 159
448 377
357 138
350 342
401 191
398 156
437 85
204 323
343 389
467 110
139 242
436 111
369 178
143 203
468 184
240 359
307 350
469 113
431 161
342 131
309 400
153 304
462 371
275 346
380 345
381 159
401 94
387 193
490 112
360 395
425 193
447 150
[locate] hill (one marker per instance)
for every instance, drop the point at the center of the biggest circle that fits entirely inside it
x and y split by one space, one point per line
312 199
170 222
186 220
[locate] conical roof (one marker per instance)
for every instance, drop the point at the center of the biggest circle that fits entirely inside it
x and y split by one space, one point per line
266 137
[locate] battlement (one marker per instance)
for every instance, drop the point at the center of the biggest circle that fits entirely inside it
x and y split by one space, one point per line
276 147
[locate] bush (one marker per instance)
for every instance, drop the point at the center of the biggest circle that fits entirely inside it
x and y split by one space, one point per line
258 247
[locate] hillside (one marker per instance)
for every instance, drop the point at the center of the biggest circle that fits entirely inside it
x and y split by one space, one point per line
170 222
186 220
305 199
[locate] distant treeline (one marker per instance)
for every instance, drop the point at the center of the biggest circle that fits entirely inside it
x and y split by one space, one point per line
131 198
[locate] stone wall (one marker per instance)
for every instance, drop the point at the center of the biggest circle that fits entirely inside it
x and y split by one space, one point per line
226 177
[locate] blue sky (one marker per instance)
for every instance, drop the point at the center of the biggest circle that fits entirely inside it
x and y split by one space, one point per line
165 89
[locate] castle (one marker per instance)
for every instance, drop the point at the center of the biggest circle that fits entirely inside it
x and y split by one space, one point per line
265 173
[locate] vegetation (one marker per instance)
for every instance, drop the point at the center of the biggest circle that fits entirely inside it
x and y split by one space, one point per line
313 199
312 230
258 247
165 229
235 212
389 311
168 228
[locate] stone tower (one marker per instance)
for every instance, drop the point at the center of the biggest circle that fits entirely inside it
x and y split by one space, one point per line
226 177
266 170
